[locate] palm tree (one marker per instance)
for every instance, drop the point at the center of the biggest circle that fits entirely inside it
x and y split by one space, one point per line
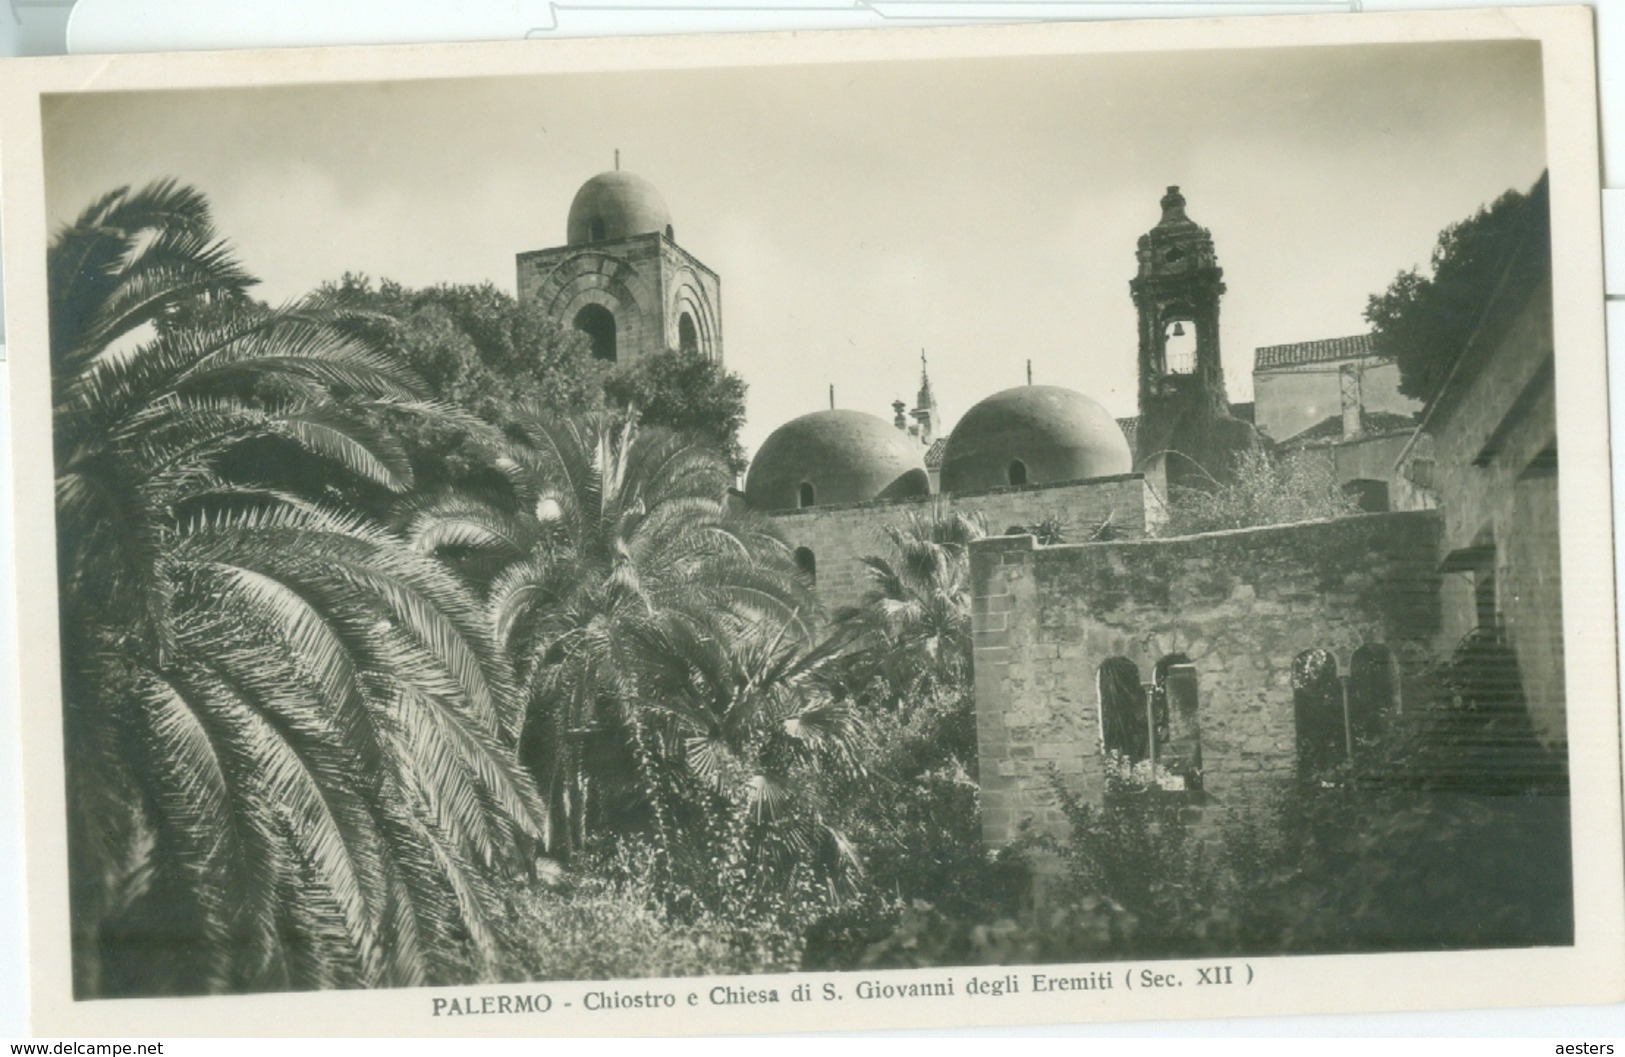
742 754
616 529
286 731
909 637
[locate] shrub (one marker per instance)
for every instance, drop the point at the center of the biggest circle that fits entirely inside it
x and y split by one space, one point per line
1265 489
603 930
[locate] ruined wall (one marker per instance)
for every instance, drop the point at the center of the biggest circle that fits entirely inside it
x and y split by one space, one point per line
1242 605
839 537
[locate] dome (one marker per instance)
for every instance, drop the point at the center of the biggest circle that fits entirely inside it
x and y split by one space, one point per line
834 457
616 205
1033 434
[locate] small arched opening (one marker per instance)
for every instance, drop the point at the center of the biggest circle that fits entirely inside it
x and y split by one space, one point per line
1374 689
1017 472
806 495
598 323
596 231
807 562
688 339
1179 346
1317 712
1123 728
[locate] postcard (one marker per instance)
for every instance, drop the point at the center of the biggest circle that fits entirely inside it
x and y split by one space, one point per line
1106 556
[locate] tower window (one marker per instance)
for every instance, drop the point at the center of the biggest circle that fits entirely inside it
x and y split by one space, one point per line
1179 347
596 230
688 339
598 323
1017 472
808 495
807 563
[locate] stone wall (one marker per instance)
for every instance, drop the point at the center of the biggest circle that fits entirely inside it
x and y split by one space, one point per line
646 281
839 537
1486 457
1241 605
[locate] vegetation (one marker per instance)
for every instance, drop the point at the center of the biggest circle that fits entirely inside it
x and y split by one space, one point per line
909 639
1424 321
285 730
687 393
1265 489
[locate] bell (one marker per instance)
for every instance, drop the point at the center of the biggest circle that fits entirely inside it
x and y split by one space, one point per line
1179 330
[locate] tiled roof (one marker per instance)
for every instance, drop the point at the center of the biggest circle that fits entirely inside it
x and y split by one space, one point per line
1273 357
1373 424
933 454
1130 427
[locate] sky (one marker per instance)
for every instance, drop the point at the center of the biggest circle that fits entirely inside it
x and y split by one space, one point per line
983 210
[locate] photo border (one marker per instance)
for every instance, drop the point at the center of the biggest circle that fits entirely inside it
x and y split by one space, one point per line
1593 970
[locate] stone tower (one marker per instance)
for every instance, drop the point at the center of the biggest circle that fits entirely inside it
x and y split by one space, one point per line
622 279
1185 431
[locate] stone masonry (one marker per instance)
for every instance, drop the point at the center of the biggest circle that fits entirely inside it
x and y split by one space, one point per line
839 537
1241 605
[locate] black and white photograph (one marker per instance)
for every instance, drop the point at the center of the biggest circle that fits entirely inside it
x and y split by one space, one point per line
1017 524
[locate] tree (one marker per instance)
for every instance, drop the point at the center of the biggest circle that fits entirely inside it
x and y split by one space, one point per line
617 529
910 635
742 752
1424 321
686 392
480 352
284 729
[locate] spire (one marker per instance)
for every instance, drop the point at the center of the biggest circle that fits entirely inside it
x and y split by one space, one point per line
925 406
1029 372
832 396
617 159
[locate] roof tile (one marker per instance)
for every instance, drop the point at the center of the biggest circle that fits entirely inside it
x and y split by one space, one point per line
1273 357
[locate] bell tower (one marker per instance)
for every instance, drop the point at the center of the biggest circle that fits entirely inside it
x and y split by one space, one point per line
1185 430
622 279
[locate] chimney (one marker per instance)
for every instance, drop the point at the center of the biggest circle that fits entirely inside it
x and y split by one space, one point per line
1348 384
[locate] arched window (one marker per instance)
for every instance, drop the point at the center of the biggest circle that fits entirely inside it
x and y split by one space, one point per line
807 496
1373 691
1179 346
688 339
1123 728
1160 697
1175 720
807 563
598 323
596 230
1017 472
1317 711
